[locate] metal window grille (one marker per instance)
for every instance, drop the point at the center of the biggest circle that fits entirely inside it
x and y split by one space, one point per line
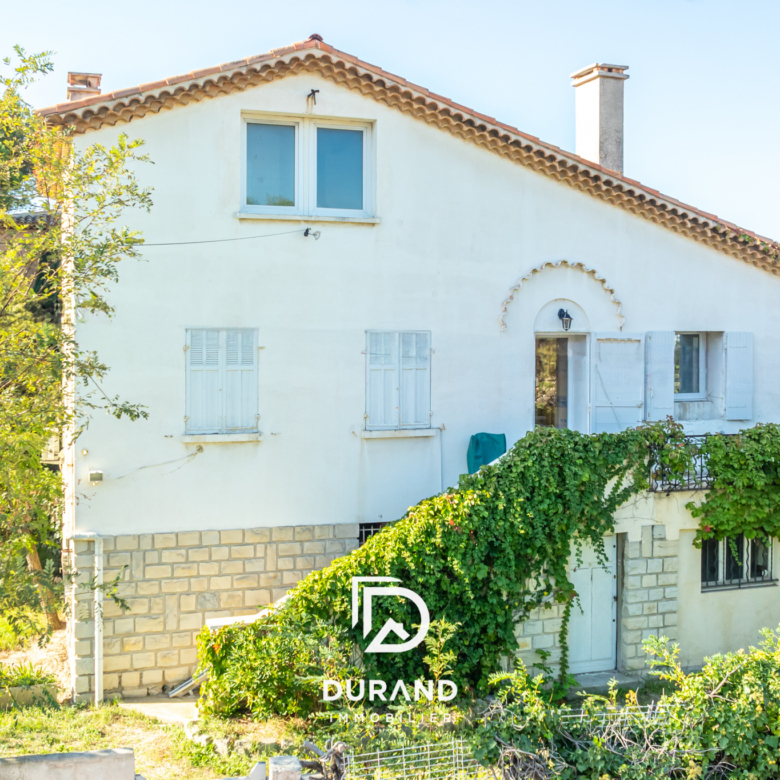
736 562
432 761
367 530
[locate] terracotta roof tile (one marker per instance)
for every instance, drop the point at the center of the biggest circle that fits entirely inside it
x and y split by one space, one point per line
91 113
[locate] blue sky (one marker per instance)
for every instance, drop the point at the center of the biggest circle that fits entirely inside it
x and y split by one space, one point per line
702 107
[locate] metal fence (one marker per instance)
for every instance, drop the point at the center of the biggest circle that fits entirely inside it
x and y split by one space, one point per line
432 761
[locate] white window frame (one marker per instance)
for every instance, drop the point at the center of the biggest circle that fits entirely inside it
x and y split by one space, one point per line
306 165
702 394
298 161
400 426
366 211
222 427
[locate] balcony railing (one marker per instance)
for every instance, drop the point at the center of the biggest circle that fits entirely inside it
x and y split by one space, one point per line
696 477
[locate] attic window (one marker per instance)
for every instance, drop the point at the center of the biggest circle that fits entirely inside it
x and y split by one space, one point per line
304 166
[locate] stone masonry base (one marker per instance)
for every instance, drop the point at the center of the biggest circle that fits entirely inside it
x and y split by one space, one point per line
172 583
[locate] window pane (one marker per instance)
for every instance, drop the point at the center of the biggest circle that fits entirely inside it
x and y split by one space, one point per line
552 374
709 562
339 168
686 363
734 557
270 165
759 560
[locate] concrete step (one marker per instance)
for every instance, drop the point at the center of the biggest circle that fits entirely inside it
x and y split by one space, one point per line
163 708
598 683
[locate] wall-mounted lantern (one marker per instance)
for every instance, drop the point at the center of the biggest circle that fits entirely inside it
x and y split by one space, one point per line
565 318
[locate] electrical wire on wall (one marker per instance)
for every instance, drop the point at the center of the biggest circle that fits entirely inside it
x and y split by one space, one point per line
306 232
186 458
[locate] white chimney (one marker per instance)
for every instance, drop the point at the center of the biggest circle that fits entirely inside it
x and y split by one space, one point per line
599 109
83 85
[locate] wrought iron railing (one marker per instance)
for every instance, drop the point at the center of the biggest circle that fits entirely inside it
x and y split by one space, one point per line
696 477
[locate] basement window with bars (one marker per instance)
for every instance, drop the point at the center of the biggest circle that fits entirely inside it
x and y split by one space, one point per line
736 562
398 380
367 530
221 381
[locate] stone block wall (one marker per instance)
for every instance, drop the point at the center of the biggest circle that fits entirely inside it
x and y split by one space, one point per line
649 602
540 632
173 583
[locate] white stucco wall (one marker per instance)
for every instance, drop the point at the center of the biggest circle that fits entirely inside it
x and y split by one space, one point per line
712 621
720 621
459 226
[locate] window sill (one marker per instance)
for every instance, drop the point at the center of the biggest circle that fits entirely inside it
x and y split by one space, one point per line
220 438
741 586
406 433
304 218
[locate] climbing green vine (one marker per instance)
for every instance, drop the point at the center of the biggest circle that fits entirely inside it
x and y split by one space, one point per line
745 493
483 555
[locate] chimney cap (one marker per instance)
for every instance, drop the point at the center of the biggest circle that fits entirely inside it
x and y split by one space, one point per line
599 69
81 79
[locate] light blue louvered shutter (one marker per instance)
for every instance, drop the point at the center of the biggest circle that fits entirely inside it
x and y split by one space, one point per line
739 375
204 405
659 374
240 384
618 379
415 391
382 380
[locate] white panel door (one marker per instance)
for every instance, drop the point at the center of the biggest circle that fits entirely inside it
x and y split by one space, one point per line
593 622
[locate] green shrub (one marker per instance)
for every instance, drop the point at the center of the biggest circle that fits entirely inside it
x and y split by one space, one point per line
271 666
722 721
745 497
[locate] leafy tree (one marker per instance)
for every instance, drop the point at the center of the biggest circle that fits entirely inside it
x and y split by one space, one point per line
59 250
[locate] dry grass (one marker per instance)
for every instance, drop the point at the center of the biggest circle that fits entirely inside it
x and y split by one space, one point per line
52 657
161 751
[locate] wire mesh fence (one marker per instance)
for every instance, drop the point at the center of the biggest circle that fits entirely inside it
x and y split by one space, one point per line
432 761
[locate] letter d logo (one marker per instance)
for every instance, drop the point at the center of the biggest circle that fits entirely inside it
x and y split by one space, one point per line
391 626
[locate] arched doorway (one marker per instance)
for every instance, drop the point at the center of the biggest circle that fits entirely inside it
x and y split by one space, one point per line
561 331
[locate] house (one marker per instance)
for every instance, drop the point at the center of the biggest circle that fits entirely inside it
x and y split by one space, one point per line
347 276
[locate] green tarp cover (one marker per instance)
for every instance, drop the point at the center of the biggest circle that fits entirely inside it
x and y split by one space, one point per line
485 448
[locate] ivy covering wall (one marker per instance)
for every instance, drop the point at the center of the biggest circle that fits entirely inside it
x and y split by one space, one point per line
482 556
